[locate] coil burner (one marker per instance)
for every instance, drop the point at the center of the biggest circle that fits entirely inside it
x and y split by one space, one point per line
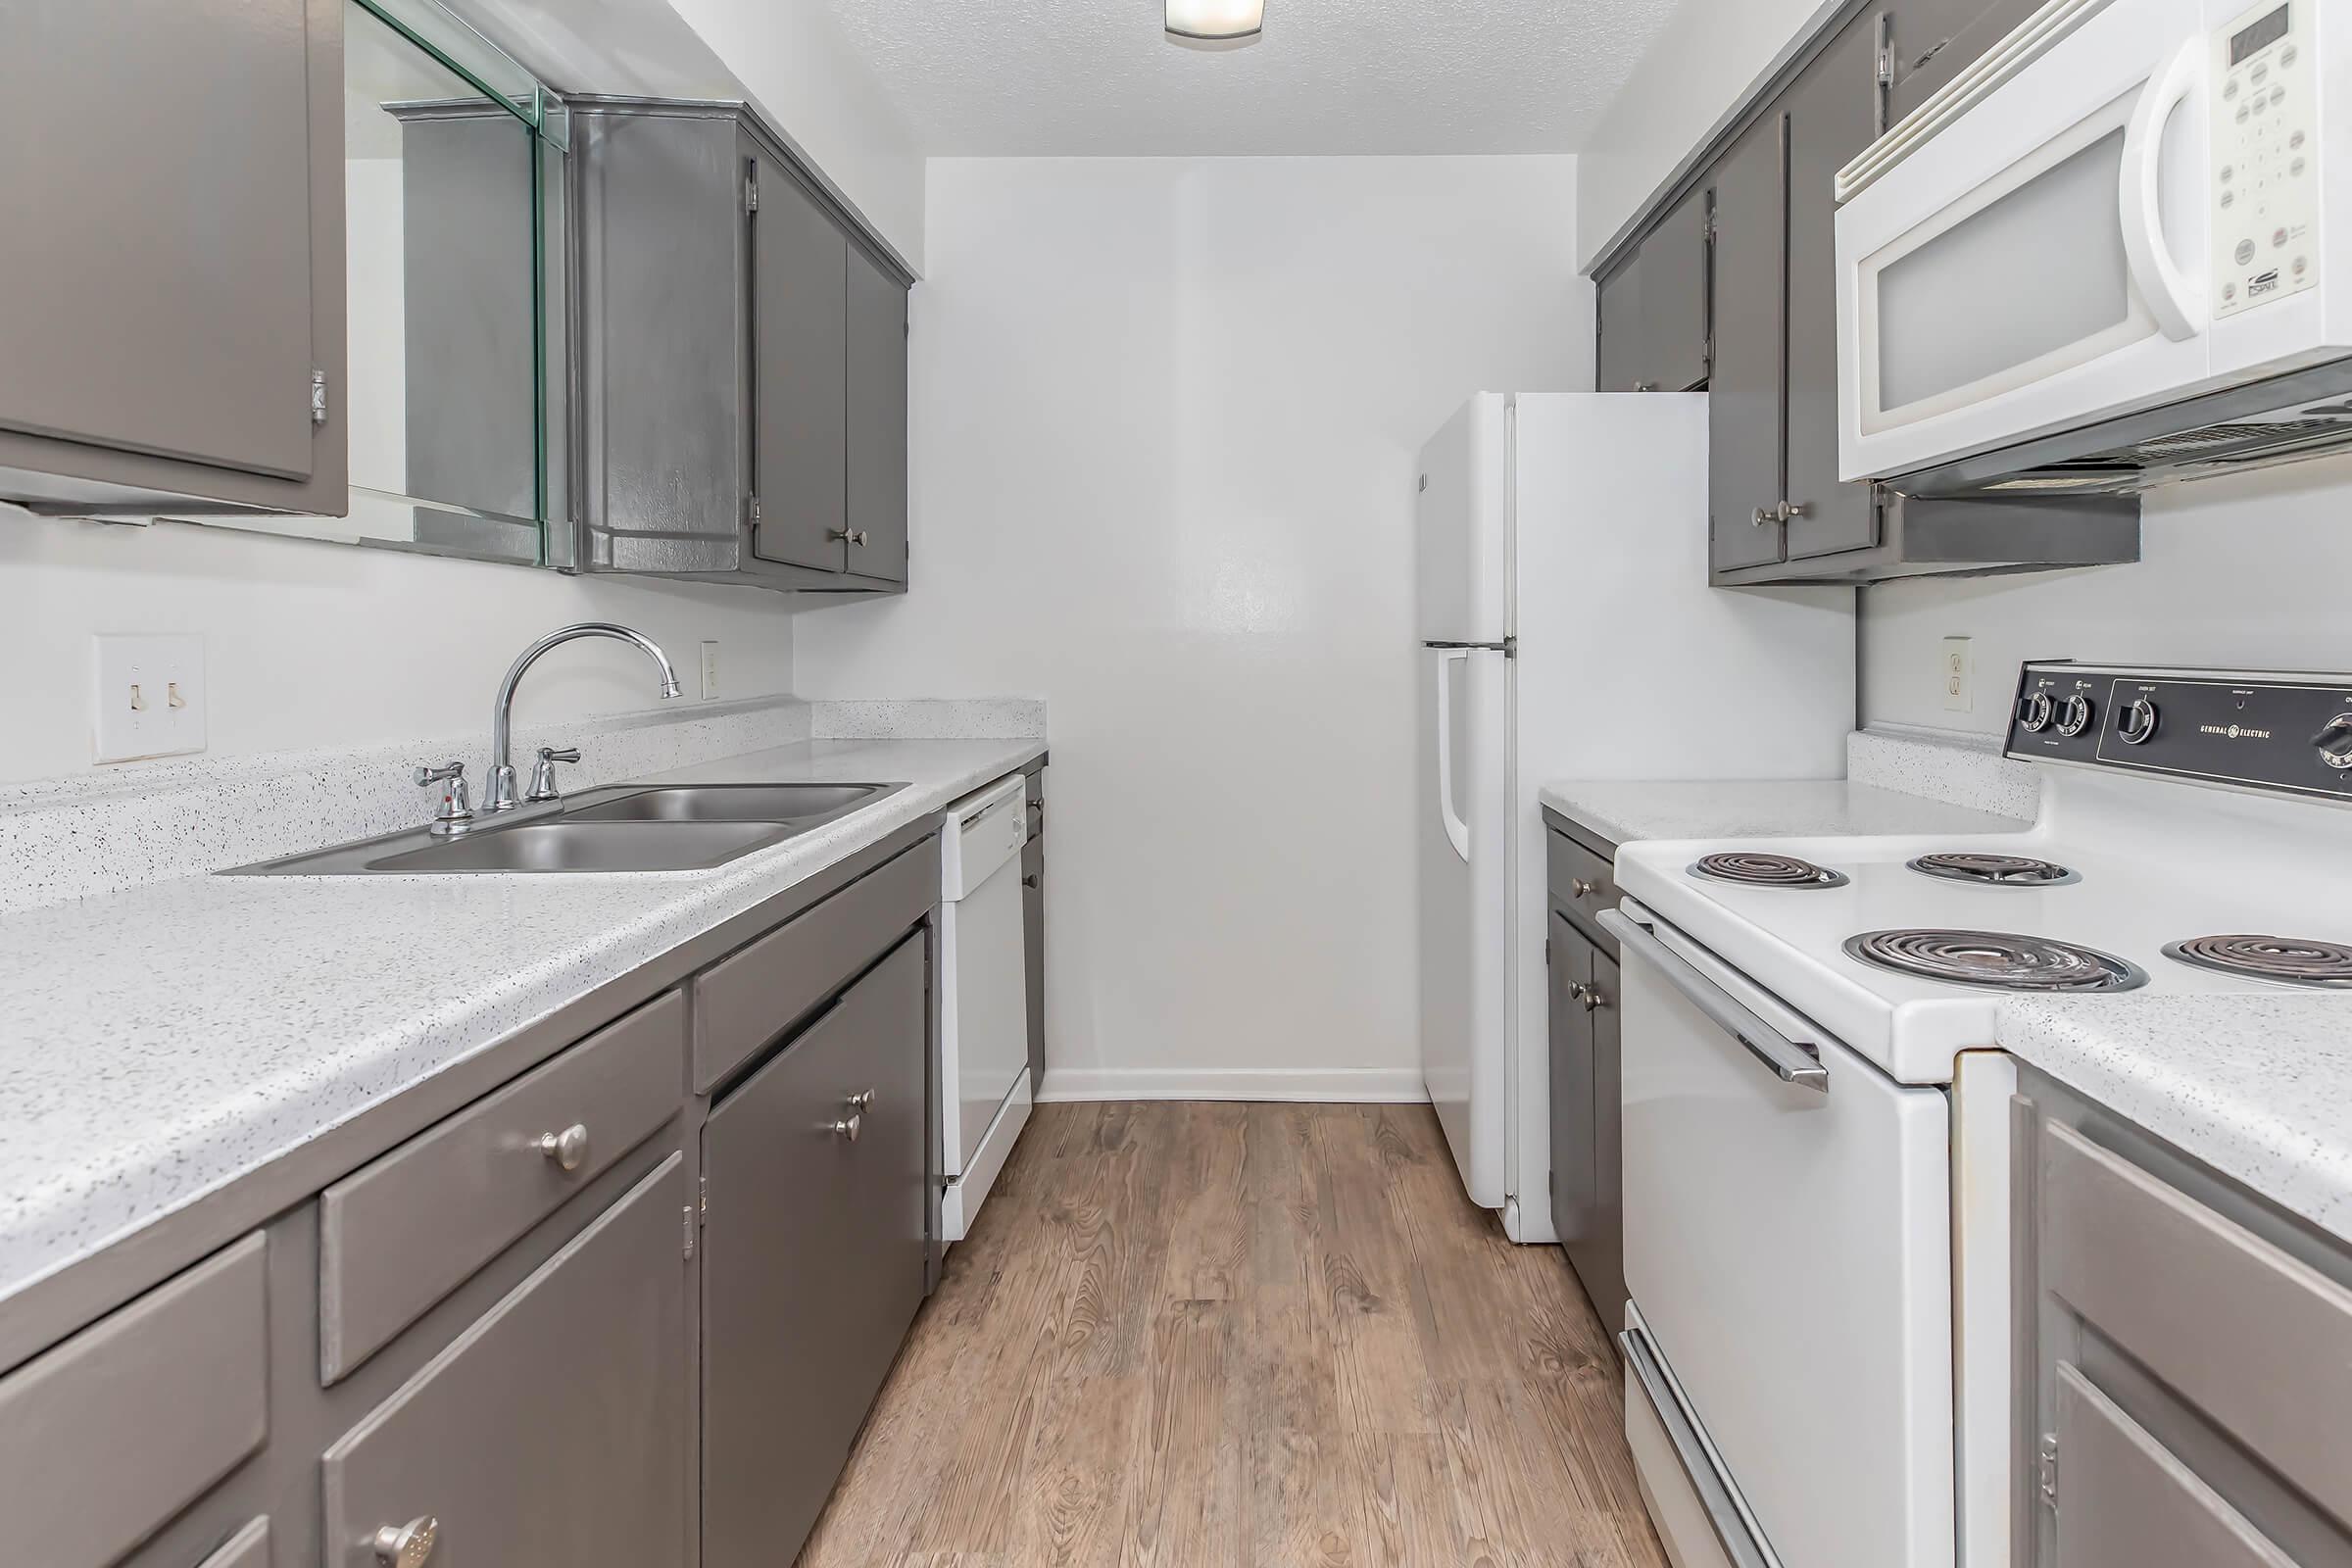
1755 868
1995 960
1995 871
2285 960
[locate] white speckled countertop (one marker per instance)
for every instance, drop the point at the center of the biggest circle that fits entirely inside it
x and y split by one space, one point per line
160 1041
2258 1087
1624 813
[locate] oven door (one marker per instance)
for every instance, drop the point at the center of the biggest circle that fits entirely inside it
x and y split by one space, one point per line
1787 1251
2038 262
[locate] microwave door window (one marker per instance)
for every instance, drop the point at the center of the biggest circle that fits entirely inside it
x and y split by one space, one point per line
2030 282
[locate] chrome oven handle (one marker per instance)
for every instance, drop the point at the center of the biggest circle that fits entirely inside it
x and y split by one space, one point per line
1714 1497
1790 1061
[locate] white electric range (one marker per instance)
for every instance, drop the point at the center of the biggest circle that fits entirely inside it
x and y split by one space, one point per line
1815 1138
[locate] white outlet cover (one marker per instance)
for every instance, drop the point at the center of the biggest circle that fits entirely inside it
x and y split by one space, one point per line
147 697
710 670
1956 673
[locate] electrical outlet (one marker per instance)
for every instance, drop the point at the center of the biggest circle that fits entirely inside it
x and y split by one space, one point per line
1958 671
147 697
710 670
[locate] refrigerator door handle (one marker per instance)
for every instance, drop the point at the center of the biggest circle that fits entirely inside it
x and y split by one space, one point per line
1458 831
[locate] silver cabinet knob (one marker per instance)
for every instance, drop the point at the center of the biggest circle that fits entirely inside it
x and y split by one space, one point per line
1578 888
849 1127
407 1545
1761 517
862 1101
1592 998
568 1148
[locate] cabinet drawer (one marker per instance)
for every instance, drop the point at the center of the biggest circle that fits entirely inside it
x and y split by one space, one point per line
1582 882
812 1260
745 1002
2127 1502
396 1236
553 1430
2259 1340
108 1436
249 1547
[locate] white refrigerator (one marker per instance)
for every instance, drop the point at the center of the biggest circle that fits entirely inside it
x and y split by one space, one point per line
1567 631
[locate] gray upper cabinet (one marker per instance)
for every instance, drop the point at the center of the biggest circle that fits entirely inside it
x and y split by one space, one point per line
877 420
1831 115
1932 41
799 332
729 426
1745 402
169 312
1654 308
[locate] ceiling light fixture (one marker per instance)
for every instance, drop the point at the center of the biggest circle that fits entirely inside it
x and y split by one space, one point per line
1217 19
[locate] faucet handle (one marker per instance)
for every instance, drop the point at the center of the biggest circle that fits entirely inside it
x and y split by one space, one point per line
543 773
455 812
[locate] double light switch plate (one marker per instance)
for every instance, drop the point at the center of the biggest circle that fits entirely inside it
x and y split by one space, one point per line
147 698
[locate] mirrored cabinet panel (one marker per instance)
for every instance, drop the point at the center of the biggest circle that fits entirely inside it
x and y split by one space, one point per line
452 224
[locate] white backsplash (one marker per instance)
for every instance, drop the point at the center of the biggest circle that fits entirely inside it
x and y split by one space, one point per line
1959 770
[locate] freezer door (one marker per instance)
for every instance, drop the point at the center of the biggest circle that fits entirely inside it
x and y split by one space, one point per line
1461 527
1462 853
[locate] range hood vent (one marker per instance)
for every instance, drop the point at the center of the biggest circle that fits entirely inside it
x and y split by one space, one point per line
2287 417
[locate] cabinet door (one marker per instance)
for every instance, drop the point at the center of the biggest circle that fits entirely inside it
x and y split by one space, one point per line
1620 352
554 1431
164 178
1603 1268
1033 939
1832 113
1935 40
1746 393
800 344
878 436
1673 297
1570 1027
2127 1501
812 1260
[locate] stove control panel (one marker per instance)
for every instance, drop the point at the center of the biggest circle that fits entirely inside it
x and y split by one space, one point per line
2281 734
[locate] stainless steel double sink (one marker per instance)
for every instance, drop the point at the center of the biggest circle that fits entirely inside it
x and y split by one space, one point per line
623 827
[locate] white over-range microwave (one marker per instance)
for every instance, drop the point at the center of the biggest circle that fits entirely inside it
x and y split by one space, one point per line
2113 251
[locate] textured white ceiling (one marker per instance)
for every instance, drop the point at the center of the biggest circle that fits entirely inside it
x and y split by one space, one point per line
1074 78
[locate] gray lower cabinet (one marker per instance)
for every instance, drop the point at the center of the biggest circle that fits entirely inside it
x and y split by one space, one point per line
740 414
814 1249
2183 1358
1588 1191
106 1437
1033 926
552 1431
184 304
1746 403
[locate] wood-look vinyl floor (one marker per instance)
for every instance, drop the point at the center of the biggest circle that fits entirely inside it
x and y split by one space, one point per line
1232 1336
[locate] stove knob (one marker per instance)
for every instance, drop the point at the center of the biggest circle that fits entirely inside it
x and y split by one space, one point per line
2034 712
2335 741
2074 716
2138 727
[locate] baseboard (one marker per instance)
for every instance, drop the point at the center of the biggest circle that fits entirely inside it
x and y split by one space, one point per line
1339 1086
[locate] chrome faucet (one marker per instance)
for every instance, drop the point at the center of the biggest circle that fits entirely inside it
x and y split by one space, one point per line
499 794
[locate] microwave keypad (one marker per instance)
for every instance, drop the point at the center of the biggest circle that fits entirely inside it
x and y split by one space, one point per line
2266 156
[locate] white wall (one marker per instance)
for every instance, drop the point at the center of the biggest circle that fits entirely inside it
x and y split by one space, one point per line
314 645
1166 415
2249 572
1708 54
792 58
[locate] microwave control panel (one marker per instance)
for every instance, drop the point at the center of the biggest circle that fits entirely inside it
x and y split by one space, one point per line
2266 156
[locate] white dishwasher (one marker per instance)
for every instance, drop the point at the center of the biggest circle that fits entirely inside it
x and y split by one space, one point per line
984 996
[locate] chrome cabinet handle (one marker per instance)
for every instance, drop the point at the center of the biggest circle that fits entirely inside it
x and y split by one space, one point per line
848 1126
1790 1061
568 1148
862 1101
1593 1000
1761 517
1578 888
847 536
407 1545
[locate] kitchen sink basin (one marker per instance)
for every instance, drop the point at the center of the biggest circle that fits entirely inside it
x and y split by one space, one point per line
731 803
626 827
